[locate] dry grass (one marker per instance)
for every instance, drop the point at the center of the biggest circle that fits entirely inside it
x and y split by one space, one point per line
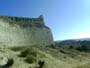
53 58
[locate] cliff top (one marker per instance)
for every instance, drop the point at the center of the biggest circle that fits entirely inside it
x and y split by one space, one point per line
24 21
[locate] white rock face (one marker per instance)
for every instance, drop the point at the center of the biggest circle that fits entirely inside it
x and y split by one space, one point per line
14 34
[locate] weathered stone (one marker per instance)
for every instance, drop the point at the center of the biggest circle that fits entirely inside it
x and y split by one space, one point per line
22 31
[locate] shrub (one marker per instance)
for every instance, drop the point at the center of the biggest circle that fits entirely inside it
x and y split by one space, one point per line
30 59
52 46
84 48
33 53
71 47
62 51
27 51
79 49
24 53
17 48
9 63
41 64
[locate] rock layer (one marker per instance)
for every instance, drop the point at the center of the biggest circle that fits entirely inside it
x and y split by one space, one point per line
22 31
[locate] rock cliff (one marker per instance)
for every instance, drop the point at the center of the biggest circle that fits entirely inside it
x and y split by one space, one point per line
22 31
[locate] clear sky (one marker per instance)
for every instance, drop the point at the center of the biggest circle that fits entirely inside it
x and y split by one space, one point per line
67 18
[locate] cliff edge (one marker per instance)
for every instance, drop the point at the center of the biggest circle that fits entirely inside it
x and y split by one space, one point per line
23 31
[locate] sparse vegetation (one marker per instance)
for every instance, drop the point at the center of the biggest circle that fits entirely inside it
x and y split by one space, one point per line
30 59
62 51
73 44
79 49
82 48
52 46
17 48
29 54
53 58
24 53
27 51
71 47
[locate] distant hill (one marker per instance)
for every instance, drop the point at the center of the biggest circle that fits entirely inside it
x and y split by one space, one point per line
83 43
78 39
82 39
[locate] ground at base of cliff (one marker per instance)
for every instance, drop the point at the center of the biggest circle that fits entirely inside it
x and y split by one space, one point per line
43 57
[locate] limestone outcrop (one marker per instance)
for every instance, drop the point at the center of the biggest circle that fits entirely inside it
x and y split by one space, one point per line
22 31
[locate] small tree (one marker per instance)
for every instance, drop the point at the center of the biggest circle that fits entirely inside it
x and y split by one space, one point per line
71 47
9 63
84 47
24 53
30 59
41 64
52 46
79 49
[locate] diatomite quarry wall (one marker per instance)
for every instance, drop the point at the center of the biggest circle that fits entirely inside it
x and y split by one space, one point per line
21 31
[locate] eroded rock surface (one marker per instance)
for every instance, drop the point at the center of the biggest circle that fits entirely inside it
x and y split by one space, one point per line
22 31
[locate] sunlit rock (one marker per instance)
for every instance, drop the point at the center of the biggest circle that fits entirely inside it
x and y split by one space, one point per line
22 31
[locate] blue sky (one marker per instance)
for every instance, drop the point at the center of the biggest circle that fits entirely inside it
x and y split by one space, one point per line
67 18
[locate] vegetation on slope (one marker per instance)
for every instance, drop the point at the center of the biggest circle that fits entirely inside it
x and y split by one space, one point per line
46 57
78 45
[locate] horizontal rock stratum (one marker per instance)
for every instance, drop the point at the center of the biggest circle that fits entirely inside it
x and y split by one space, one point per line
23 31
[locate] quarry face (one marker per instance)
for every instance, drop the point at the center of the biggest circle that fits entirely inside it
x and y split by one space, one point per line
22 31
